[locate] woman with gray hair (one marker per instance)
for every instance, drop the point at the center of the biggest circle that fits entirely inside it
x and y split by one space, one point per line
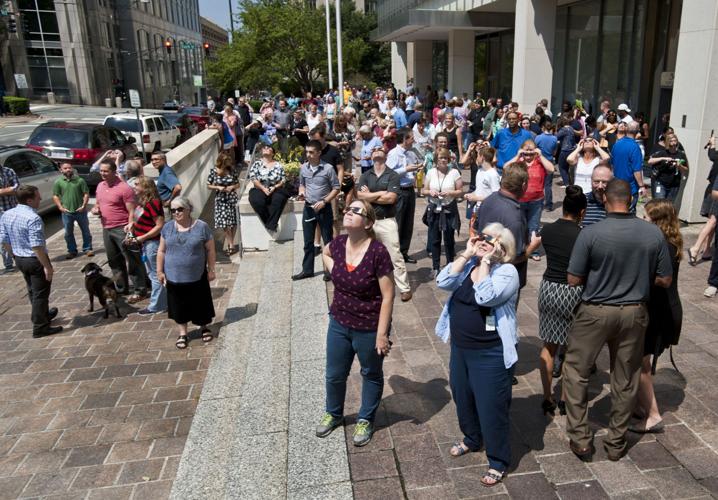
480 318
186 262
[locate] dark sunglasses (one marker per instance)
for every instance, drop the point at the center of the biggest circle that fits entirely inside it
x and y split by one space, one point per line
178 210
355 210
487 238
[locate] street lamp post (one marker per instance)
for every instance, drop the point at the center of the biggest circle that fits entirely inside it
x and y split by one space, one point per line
329 44
340 65
231 18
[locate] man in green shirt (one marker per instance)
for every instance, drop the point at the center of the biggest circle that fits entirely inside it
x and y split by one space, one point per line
71 195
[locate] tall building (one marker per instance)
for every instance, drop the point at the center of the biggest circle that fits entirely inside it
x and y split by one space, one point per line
85 51
657 56
213 34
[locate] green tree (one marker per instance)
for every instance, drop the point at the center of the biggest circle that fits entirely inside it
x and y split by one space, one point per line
276 42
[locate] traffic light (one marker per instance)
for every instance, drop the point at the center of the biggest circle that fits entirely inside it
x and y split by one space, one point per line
168 46
206 49
12 25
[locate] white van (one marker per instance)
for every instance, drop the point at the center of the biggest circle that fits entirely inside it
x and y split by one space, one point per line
154 131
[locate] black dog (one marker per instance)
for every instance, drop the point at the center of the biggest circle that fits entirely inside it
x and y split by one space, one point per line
101 287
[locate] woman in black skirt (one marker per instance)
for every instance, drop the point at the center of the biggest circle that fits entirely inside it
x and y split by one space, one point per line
665 317
185 265
557 300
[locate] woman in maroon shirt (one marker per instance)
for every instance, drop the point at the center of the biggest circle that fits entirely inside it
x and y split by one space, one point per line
359 320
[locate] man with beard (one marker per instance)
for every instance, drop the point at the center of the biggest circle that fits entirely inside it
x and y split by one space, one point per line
71 194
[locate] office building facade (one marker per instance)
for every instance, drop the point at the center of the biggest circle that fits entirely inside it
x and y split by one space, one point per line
657 56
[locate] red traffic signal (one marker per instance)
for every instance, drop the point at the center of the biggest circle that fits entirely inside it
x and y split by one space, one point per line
168 46
206 49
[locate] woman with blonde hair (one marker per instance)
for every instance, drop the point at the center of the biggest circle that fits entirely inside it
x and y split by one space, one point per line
225 182
147 229
359 319
480 321
665 316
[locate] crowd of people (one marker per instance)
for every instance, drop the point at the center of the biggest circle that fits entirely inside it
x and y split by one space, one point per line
157 253
610 279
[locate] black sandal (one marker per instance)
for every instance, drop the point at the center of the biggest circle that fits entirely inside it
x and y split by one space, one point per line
207 335
181 342
491 478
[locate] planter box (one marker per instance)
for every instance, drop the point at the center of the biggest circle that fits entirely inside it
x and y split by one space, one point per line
254 236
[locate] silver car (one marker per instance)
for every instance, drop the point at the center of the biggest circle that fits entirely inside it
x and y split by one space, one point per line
33 168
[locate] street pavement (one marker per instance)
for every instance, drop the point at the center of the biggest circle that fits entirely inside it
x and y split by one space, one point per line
408 457
103 409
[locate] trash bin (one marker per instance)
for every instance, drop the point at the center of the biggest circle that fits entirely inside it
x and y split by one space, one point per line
51 98
118 102
108 103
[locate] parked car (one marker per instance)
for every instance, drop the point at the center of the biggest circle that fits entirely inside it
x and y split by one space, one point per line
154 131
197 114
171 105
184 124
81 144
32 168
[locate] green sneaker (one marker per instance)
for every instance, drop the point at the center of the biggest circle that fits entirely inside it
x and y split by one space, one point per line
363 432
327 424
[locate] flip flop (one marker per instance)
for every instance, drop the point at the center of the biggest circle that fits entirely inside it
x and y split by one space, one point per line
654 429
692 259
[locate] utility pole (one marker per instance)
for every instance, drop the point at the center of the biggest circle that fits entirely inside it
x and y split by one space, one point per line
340 65
231 19
329 44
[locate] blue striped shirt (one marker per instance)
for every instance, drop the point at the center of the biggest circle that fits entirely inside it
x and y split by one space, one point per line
595 211
22 228
8 178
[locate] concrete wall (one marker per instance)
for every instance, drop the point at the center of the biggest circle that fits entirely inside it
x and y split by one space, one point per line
192 161
694 96
461 61
534 35
399 64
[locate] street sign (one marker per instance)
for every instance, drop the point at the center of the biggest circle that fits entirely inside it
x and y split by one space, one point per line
20 80
187 45
197 80
135 99
236 94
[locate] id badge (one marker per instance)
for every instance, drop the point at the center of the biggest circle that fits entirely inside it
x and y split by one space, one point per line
659 189
491 322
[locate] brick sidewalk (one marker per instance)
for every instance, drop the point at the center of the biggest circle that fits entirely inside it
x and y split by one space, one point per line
408 457
103 409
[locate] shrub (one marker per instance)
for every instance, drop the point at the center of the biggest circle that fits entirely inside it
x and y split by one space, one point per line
256 104
17 105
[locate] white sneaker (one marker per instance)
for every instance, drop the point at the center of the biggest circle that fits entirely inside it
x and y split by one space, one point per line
710 291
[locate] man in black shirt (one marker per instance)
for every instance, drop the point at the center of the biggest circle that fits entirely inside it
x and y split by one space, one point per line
380 186
299 127
617 260
330 155
503 206
667 166
245 111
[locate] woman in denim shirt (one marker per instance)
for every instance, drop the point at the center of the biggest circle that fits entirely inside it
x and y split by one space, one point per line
480 319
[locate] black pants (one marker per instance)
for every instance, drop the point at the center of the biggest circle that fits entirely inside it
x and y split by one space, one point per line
38 290
116 255
405 207
310 219
268 208
713 274
435 236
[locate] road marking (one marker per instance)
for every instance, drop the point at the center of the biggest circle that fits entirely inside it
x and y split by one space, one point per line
12 133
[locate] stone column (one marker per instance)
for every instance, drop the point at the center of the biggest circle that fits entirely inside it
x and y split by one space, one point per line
422 64
534 34
694 106
461 61
399 65
79 66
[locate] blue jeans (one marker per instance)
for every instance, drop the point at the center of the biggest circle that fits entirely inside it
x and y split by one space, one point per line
564 168
68 221
342 344
661 191
481 388
6 258
548 191
532 212
158 296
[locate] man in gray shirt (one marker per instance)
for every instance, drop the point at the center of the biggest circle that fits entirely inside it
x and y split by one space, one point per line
617 260
282 116
318 185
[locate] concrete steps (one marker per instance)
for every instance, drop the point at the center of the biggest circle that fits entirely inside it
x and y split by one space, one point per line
253 433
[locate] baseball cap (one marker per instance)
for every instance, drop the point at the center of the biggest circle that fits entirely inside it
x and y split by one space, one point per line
624 107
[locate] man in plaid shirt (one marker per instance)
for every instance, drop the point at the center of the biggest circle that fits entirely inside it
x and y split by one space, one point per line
8 186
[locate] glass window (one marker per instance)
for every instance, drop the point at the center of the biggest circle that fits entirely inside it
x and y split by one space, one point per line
440 65
123 123
42 164
20 163
158 124
150 125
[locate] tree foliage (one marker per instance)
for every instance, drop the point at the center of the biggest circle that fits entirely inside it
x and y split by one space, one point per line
282 45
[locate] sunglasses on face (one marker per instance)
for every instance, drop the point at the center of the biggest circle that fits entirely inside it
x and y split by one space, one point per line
177 210
355 210
487 238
